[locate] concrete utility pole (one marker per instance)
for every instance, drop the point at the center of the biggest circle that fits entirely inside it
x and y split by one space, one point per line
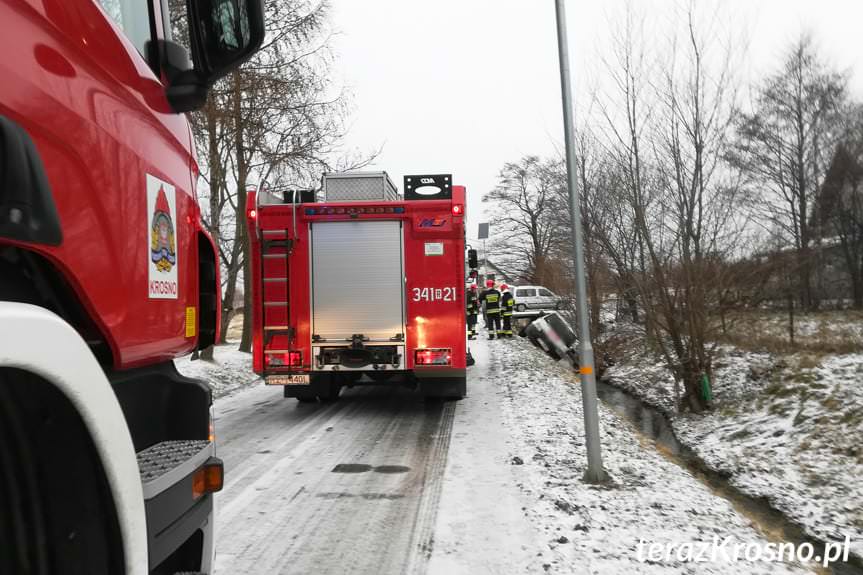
595 472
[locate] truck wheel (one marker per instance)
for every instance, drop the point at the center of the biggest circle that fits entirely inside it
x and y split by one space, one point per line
303 395
326 386
57 514
333 391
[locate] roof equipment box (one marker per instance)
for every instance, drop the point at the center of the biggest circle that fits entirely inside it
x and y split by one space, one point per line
359 187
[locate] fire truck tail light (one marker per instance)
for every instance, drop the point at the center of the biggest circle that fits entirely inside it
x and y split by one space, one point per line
253 214
290 358
437 356
457 210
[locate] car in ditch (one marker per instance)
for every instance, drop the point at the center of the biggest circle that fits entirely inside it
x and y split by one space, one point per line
553 335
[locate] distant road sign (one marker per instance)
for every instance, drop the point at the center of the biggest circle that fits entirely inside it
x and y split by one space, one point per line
483 231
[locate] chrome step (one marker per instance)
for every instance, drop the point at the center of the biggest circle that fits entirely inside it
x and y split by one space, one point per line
165 463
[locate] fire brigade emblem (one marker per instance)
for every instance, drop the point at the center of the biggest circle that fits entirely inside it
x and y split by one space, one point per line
163 252
160 221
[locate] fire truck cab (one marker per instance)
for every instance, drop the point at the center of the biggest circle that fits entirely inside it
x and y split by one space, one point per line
107 273
365 286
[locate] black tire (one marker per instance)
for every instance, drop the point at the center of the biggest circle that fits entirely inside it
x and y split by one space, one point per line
326 386
335 388
56 509
303 394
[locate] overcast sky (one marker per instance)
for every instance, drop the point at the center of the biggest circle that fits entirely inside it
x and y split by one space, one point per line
463 86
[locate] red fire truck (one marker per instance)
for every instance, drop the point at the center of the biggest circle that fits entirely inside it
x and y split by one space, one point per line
364 286
107 460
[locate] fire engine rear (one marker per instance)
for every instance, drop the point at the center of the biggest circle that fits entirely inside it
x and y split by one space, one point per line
365 286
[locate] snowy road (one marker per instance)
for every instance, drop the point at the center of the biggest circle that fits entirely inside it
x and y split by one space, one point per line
315 488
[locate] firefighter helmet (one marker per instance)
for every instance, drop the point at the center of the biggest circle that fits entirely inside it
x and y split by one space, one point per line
473 287
504 287
489 283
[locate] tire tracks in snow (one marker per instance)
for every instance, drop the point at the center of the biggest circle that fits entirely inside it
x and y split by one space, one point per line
285 508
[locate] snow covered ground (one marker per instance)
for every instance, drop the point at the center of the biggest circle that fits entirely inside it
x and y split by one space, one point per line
511 497
786 427
230 370
571 527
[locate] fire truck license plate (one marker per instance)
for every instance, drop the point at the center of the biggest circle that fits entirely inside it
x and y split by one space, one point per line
288 380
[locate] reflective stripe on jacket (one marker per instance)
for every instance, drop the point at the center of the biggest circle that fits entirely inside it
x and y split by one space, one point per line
507 302
491 297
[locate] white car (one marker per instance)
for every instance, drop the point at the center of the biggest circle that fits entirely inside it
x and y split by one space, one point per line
535 297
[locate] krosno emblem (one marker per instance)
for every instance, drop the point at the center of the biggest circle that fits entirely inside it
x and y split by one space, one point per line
163 252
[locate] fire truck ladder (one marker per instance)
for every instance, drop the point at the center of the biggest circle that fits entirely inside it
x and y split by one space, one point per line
276 245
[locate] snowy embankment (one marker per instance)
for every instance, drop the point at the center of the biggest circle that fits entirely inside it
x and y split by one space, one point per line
785 426
228 372
597 529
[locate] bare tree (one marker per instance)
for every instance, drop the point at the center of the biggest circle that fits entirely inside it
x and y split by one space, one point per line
666 214
525 229
785 145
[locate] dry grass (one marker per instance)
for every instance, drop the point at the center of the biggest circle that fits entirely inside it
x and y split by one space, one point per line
235 328
817 334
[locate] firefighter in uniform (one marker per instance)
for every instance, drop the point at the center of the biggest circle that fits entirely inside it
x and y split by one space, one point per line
491 298
507 305
472 311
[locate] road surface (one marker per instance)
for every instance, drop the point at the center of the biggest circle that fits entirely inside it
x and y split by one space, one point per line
313 488
355 486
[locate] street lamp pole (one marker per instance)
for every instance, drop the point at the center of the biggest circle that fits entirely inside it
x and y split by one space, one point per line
595 472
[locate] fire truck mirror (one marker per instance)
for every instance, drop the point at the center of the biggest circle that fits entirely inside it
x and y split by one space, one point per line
225 34
472 259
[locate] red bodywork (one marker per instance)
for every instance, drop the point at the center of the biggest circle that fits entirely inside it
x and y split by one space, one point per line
429 324
101 123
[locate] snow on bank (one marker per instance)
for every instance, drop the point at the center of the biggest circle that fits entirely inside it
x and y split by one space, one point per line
230 370
785 429
597 529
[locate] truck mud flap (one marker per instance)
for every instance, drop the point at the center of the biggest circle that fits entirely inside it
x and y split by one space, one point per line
323 386
444 387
